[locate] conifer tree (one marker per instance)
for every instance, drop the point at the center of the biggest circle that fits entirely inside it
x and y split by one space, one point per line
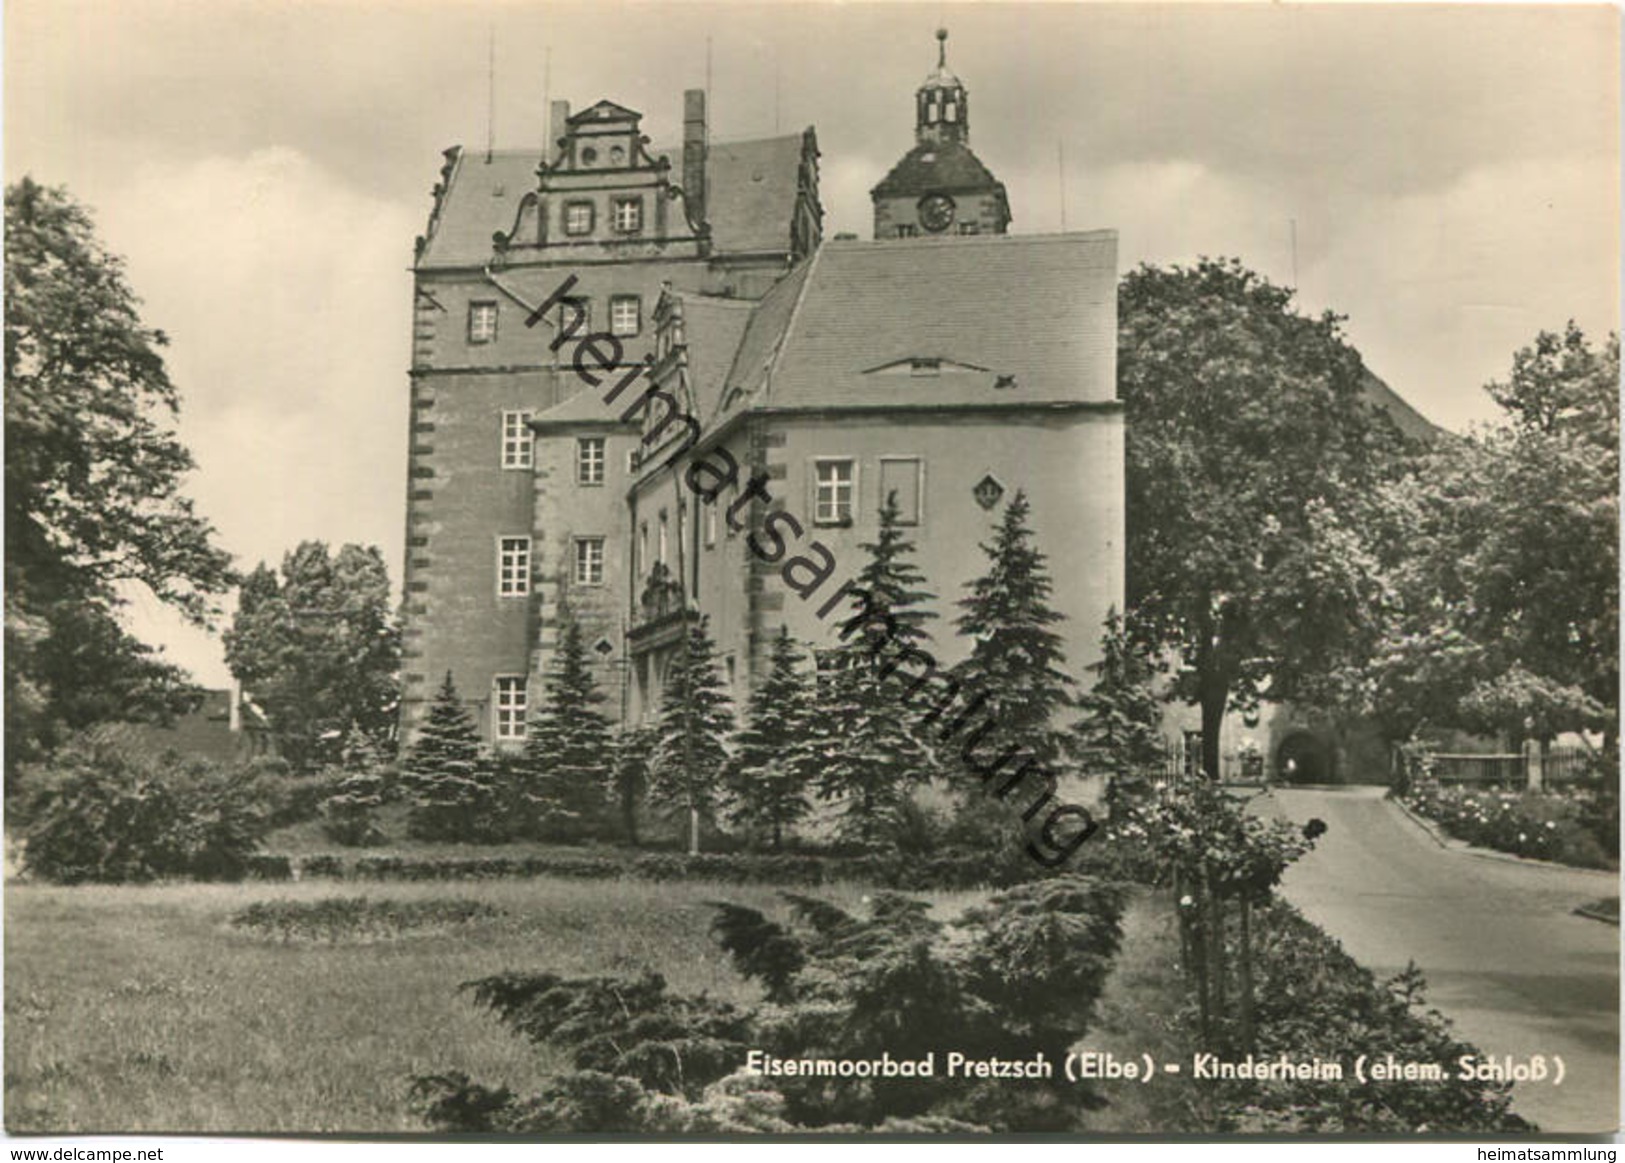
568 759
451 779
634 747
1121 712
773 761
1017 661
869 749
690 754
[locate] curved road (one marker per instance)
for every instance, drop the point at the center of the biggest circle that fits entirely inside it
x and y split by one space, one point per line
1505 957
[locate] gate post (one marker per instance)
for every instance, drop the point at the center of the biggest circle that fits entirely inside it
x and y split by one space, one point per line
1534 774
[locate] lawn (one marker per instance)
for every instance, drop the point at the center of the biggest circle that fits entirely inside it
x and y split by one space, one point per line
140 1008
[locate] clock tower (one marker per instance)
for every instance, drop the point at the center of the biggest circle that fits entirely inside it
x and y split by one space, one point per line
940 187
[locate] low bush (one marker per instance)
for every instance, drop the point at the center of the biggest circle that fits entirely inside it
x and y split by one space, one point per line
1315 1001
321 867
1011 980
266 867
1549 825
99 813
356 918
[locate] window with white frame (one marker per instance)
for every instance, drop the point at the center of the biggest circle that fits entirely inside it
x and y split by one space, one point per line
628 215
590 460
625 315
482 322
835 488
509 707
578 218
589 561
516 441
513 567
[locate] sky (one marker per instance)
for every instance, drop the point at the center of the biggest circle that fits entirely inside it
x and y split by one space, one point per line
1446 177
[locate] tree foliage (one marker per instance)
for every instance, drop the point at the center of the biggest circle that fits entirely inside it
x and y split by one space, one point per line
1251 455
773 762
450 779
318 649
1017 659
1120 731
93 480
690 750
1504 553
568 762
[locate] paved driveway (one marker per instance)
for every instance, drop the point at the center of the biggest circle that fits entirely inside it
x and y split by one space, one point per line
1505 958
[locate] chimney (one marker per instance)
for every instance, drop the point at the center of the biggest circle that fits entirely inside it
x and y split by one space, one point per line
557 114
694 155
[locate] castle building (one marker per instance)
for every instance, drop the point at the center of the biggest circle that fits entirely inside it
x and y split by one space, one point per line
645 393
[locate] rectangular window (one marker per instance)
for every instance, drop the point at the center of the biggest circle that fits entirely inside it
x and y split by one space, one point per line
625 315
516 440
628 215
711 523
513 567
578 218
906 230
482 322
590 460
661 550
835 491
575 317
643 548
589 561
631 461
509 707
970 228
900 478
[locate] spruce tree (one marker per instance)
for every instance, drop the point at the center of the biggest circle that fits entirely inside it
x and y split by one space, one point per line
450 778
1119 732
690 754
870 752
1017 661
773 762
349 814
568 760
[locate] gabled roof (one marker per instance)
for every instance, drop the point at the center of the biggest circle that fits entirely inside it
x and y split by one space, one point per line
713 328
604 111
1038 311
750 193
480 199
937 165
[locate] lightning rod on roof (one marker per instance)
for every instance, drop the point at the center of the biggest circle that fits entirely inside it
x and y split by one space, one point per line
490 91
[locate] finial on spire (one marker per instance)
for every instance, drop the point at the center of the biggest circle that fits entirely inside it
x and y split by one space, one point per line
942 48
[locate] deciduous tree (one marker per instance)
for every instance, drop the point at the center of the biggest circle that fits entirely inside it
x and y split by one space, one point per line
93 480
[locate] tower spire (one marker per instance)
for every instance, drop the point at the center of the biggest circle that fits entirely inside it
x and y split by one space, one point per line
940 113
942 48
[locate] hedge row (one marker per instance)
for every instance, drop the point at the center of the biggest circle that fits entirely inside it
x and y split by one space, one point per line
947 871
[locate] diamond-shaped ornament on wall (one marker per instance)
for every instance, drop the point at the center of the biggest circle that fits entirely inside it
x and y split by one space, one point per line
604 648
987 492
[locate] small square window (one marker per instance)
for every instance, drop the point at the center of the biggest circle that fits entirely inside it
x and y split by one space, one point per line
578 218
625 315
513 567
970 228
482 322
590 460
628 215
509 707
516 440
589 569
835 489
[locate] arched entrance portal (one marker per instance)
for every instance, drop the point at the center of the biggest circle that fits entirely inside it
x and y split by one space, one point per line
1305 757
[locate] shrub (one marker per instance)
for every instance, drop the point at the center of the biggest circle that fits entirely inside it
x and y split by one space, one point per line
1316 1001
101 814
1545 825
328 867
338 918
1018 976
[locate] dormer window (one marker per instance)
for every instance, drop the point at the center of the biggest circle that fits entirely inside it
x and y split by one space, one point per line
925 367
578 218
628 215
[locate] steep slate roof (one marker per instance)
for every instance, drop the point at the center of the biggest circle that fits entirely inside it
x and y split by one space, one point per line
1040 308
482 199
713 327
1406 418
750 192
750 187
936 165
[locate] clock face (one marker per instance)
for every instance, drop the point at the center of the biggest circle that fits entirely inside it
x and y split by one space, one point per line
936 212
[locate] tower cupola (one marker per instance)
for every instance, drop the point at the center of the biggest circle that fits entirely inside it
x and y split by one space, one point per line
941 112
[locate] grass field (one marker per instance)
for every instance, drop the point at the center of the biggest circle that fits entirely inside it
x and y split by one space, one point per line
140 1008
